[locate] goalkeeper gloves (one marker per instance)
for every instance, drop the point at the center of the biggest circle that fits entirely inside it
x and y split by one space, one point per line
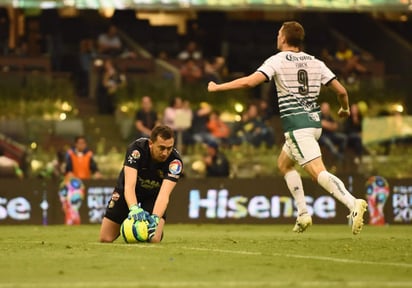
137 213
153 221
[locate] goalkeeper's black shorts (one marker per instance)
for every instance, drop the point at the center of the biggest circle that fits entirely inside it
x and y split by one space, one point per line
117 209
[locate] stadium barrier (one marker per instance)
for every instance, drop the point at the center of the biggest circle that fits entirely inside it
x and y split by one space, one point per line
261 200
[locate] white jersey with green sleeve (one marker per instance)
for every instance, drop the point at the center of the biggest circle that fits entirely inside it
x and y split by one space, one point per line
298 77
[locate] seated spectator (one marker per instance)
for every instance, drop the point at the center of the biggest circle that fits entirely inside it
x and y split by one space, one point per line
110 44
200 132
254 130
169 114
80 162
217 128
190 71
111 80
183 122
191 51
325 55
217 164
351 62
265 111
146 118
214 69
333 140
9 166
353 131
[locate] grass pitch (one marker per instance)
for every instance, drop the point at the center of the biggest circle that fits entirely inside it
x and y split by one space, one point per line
208 256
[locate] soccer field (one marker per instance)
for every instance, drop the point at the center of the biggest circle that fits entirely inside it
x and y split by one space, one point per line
208 256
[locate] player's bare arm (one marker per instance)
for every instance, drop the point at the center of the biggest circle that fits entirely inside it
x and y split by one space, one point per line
249 81
163 199
130 179
342 96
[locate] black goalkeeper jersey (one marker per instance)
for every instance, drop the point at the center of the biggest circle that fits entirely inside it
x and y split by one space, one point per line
150 173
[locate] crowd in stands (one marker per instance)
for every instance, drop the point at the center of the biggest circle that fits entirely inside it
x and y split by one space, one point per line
340 138
203 123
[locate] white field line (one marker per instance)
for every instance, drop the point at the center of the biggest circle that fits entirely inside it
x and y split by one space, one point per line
208 284
312 257
189 284
243 252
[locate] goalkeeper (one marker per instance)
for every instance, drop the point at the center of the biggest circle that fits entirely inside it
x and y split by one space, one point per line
151 170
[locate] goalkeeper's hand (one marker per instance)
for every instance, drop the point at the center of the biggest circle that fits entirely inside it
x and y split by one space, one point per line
153 221
137 213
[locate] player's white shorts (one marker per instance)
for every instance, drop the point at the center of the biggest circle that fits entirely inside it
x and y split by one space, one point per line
302 145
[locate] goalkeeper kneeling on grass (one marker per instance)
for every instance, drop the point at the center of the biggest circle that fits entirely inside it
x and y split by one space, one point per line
150 172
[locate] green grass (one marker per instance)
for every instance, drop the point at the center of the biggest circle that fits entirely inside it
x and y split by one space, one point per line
208 256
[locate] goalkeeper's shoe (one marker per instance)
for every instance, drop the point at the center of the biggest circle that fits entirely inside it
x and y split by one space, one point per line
356 215
302 223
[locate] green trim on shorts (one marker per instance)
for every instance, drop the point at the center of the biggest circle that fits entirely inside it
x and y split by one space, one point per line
292 137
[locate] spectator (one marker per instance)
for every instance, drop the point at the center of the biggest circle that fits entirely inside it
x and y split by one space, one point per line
199 130
9 166
183 123
146 118
217 128
109 43
353 131
191 72
350 60
214 69
254 130
80 162
170 112
333 140
111 81
86 56
217 164
325 55
56 168
191 51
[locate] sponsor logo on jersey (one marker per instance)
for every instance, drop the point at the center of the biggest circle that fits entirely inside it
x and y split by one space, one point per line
175 167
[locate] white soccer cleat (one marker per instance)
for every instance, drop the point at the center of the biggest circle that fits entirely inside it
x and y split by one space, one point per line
356 216
302 223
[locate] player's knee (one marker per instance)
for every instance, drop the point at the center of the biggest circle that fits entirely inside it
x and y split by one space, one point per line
106 238
283 168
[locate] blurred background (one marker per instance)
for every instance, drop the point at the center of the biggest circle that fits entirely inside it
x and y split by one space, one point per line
83 67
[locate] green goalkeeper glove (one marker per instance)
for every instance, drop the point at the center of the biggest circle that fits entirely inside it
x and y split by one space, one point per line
153 221
137 213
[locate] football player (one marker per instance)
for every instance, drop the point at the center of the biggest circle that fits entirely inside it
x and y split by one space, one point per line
151 169
298 77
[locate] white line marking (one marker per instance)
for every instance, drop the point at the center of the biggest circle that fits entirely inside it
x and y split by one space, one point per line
323 258
343 260
211 284
243 252
137 245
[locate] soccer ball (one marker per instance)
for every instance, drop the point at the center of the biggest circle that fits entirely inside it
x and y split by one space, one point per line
134 231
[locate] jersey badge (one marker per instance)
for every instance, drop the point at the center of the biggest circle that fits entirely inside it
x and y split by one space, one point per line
175 167
115 197
134 156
